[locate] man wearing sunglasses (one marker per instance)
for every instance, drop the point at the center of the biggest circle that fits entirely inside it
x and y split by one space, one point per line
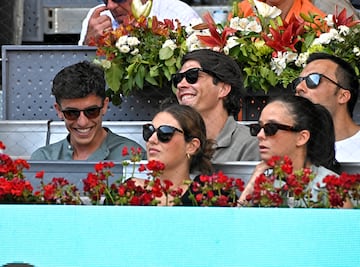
332 82
79 91
111 13
211 82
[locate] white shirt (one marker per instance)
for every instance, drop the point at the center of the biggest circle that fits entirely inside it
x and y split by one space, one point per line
163 9
348 150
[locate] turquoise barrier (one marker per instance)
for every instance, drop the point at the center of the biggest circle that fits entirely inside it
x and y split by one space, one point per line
96 236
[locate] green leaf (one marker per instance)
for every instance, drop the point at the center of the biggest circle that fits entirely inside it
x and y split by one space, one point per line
139 77
170 62
165 53
113 76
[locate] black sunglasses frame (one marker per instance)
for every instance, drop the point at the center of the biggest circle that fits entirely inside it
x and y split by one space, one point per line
115 1
164 133
74 114
271 128
311 83
191 75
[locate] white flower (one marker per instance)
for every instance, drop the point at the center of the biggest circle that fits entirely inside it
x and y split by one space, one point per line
253 26
344 30
106 64
232 41
329 20
356 51
290 56
133 41
327 37
278 64
301 59
245 25
169 43
266 10
193 43
121 41
124 49
135 52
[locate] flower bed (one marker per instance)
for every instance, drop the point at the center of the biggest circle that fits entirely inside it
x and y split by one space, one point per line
217 189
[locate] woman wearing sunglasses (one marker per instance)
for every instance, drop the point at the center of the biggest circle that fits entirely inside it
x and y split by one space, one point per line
177 137
111 13
294 126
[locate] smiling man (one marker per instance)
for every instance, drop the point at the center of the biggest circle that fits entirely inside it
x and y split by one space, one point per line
211 82
79 91
111 13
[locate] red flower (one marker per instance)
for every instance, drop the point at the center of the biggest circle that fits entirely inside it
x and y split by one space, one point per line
125 151
341 19
216 39
40 174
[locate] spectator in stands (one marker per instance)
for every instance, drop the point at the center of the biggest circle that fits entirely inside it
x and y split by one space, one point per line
177 137
288 8
109 15
294 126
211 82
332 82
79 91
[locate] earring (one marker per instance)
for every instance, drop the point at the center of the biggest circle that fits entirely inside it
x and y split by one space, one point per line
188 156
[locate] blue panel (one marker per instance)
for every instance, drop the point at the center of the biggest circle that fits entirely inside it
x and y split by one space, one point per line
47 236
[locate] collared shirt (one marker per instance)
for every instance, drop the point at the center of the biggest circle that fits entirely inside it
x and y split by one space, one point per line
110 149
162 9
234 143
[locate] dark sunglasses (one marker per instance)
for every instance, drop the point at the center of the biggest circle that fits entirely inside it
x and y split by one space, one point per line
312 81
115 1
73 114
164 132
191 76
270 128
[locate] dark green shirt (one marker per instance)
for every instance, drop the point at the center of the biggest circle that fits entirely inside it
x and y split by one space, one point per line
110 149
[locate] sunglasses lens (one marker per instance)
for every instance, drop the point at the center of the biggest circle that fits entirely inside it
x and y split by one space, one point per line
92 113
71 114
313 80
74 114
190 75
270 129
148 131
115 1
165 133
255 129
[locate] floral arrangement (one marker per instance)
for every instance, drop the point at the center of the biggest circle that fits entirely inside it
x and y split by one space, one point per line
216 190
14 188
272 52
286 187
142 50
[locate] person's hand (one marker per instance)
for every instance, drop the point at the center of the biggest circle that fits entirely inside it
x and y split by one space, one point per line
249 188
98 24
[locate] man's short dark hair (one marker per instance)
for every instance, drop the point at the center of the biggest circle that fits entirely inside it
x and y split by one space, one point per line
79 80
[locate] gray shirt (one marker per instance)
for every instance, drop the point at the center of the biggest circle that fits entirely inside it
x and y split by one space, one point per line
110 149
234 143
